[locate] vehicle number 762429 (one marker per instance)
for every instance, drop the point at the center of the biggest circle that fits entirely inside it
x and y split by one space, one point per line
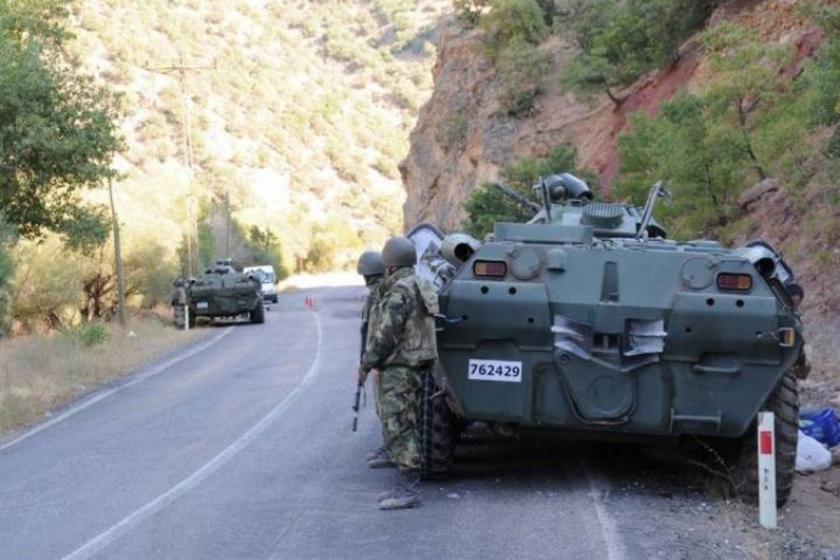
495 370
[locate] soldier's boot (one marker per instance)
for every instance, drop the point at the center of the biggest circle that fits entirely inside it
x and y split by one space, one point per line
380 460
405 495
376 453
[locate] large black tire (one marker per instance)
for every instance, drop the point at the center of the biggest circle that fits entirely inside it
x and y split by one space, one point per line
257 314
438 431
784 403
192 319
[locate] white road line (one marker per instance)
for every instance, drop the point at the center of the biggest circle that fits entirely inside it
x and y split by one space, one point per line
609 531
160 368
99 542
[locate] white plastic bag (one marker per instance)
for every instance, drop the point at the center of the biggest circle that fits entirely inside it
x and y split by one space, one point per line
811 456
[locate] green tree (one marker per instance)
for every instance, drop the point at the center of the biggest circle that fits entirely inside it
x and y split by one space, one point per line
265 248
149 271
521 67
334 245
750 93
514 20
487 205
47 286
56 128
621 40
699 155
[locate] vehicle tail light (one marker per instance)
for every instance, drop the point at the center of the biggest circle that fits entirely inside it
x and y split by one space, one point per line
734 282
787 337
490 269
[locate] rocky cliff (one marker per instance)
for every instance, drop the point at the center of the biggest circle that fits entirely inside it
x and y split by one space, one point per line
462 139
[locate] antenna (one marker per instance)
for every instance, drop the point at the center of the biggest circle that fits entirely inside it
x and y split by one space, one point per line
656 191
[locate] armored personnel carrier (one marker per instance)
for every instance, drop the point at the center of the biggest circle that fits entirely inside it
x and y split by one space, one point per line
221 292
587 319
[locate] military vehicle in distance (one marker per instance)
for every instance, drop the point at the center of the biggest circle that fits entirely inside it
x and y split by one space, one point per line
221 292
588 320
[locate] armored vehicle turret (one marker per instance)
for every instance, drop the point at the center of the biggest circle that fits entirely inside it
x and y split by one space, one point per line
221 292
587 319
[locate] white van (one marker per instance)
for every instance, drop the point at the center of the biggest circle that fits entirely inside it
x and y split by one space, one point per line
268 279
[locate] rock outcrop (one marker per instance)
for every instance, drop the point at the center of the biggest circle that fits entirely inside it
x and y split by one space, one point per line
462 139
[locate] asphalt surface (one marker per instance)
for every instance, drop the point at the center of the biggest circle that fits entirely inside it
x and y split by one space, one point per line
243 450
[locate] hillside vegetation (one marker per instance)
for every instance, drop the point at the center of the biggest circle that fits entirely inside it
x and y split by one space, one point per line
298 111
761 112
265 131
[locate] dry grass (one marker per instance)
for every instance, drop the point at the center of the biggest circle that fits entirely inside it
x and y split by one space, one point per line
39 373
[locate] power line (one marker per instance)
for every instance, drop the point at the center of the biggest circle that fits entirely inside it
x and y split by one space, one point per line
182 70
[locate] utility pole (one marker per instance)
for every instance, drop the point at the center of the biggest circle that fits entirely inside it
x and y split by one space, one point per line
117 257
181 70
227 223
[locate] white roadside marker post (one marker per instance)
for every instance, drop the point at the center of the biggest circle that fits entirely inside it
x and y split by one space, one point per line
186 317
766 470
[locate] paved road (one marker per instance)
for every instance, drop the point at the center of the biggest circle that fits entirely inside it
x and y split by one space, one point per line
243 450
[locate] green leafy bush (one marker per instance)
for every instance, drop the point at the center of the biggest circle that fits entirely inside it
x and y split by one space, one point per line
821 78
453 131
56 125
514 20
92 334
521 67
47 285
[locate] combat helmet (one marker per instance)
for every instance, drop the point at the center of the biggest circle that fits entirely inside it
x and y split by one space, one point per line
370 264
399 251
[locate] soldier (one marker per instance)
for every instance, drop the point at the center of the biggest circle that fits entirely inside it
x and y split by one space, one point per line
401 345
370 267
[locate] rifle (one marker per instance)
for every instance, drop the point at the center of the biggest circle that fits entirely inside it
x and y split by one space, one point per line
359 388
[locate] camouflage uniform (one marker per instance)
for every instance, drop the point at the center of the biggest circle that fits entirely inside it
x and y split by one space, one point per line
375 286
401 344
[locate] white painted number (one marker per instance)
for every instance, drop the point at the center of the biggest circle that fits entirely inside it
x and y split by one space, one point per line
495 370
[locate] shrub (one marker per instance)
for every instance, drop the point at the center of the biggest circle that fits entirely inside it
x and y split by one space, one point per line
820 79
453 131
92 334
521 67
510 20
470 11
47 285
149 270
5 279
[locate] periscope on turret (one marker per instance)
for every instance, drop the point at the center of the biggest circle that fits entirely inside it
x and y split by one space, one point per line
587 319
